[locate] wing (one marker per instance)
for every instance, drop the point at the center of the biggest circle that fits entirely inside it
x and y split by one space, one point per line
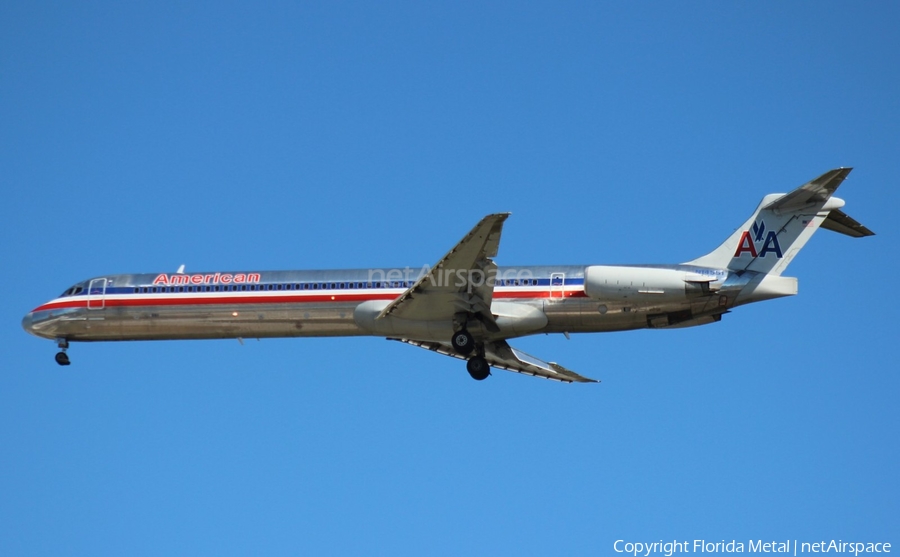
501 355
461 282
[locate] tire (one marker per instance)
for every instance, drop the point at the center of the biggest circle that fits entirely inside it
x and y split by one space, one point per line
463 342
478 368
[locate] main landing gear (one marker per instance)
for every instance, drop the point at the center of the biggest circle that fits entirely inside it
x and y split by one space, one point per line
478 368
61 357
464 343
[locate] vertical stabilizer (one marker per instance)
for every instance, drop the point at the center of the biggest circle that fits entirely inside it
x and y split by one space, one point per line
779 228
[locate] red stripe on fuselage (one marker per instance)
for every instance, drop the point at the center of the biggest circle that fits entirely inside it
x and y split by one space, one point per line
302 299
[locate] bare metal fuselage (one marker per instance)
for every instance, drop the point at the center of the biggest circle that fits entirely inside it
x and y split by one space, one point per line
531 300
464 306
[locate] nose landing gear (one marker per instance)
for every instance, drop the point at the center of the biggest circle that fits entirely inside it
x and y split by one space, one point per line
61 357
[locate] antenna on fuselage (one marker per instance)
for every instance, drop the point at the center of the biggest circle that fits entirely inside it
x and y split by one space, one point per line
180 270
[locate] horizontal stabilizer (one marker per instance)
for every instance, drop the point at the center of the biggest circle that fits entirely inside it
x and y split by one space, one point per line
815 192
839 221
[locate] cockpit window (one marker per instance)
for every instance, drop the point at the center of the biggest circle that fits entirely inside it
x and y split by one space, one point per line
73 291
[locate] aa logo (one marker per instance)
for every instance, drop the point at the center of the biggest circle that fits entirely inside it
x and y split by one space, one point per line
750 239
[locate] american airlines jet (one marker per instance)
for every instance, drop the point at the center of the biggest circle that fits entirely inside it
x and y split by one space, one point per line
464 306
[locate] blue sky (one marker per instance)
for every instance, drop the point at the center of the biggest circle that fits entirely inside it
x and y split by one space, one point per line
139 137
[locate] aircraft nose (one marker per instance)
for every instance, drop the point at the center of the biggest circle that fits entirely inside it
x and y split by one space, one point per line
27 323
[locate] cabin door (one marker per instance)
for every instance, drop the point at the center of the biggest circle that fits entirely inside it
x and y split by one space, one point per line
557 280
96 294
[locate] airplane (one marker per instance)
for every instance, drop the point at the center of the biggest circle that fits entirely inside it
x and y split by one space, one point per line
464 306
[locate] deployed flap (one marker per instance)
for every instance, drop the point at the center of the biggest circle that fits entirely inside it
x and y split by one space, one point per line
839 221
811 193
461 282
501 355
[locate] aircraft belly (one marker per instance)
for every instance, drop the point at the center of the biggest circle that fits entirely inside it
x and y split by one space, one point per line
563 315
201 321
586 315
66 323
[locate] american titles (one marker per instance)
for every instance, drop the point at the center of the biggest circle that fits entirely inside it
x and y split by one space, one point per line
210 278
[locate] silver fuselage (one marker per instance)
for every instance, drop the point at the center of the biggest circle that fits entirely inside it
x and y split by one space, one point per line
258 304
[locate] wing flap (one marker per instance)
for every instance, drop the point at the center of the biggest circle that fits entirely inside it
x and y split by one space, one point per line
501 355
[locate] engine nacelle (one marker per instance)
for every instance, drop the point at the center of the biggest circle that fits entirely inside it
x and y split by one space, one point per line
615 283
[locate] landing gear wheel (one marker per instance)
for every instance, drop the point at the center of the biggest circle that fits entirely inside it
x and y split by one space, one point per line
463 342
478 368
62 358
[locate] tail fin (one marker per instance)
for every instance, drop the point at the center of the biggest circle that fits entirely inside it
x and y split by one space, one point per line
781 226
